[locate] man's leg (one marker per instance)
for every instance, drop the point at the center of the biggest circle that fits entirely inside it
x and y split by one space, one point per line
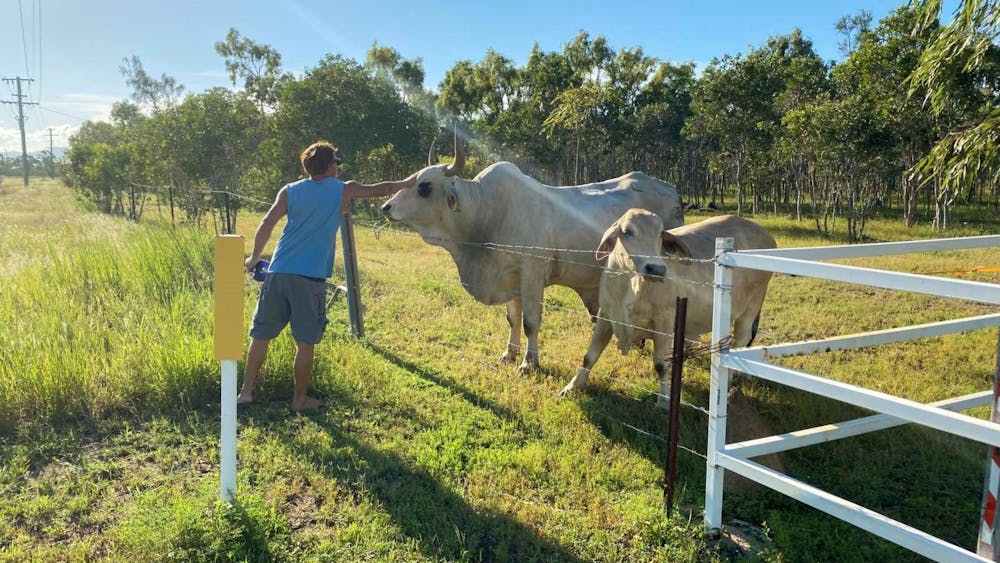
303 374
256 354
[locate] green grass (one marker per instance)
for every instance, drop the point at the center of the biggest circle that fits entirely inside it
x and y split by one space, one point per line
425 450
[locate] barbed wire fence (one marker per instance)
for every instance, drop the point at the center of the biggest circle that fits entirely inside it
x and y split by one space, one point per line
692 349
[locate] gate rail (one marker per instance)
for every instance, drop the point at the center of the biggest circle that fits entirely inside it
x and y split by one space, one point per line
894 411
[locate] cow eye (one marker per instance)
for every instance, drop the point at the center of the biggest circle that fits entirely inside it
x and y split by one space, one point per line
424 189
627 233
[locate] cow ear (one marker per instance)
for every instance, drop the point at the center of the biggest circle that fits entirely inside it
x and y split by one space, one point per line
607 242
451 196
674 246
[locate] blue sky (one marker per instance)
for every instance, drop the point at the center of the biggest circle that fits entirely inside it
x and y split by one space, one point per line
73 48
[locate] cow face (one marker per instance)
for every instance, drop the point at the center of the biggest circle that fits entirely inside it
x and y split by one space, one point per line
638 241
429 203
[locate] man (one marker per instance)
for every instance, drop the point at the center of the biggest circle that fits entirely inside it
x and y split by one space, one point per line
294 290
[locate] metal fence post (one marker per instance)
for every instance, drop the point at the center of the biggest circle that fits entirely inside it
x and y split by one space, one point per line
354 308
676 366
719 387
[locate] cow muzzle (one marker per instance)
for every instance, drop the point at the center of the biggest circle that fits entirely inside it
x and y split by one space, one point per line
387 211
657 272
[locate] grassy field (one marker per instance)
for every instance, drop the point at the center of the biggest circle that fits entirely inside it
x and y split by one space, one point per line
424 449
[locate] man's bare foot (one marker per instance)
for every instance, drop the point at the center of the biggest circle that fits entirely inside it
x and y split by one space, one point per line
244 399
306 404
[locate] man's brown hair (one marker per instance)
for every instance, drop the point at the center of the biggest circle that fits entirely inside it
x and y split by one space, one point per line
317 157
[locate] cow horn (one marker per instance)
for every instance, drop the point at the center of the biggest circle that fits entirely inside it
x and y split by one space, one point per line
431 156
456 167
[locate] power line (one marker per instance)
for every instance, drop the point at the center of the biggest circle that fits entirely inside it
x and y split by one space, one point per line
39 50
24 42
34 23
63 113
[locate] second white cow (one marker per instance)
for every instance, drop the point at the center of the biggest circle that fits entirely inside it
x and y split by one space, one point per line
646 272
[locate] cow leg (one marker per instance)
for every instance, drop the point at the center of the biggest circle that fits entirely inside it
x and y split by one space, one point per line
591 300
661 364
599 339
514 342
745 329
532 292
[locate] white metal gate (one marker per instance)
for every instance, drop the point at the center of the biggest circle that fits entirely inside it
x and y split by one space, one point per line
894 411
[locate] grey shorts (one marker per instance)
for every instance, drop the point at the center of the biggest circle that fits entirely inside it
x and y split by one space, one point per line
290 298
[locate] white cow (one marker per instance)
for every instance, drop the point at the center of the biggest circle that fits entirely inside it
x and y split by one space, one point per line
511 236
639 288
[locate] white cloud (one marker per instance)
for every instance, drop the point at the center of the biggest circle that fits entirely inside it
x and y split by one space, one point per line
81 107
37 140
62 113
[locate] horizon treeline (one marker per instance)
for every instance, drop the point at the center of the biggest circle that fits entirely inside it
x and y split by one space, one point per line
906 125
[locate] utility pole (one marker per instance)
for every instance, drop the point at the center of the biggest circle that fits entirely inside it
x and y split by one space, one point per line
52 157
20 121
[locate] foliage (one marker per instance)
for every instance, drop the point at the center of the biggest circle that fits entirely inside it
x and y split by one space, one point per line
960 70
258 65
906 120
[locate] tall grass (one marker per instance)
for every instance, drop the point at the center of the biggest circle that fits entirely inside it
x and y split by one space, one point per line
118 323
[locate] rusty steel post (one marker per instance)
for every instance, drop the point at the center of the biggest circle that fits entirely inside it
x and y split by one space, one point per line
676 366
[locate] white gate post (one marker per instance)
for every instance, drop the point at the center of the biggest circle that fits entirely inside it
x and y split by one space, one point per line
719 387
988 529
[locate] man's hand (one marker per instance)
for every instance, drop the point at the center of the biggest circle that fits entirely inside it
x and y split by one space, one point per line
250 263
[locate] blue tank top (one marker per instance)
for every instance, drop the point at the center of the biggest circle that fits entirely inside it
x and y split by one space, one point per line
308 242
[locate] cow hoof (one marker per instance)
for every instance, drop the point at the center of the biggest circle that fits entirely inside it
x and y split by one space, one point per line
526 368
568 390
506 358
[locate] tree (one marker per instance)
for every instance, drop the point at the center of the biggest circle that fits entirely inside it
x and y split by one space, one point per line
215 140
341 102
965 53
259 66
876 71
851 27
148 90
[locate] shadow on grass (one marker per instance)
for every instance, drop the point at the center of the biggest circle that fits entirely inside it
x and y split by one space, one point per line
643 428
443 524
434 377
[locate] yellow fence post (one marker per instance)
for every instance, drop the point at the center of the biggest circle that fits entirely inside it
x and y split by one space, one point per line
229 296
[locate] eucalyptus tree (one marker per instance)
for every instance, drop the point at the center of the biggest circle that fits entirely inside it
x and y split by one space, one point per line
577 114
732 108
157 93
851 27
259 66
405 75
204 145
544 77
737 109
662 107
876 72
959 74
